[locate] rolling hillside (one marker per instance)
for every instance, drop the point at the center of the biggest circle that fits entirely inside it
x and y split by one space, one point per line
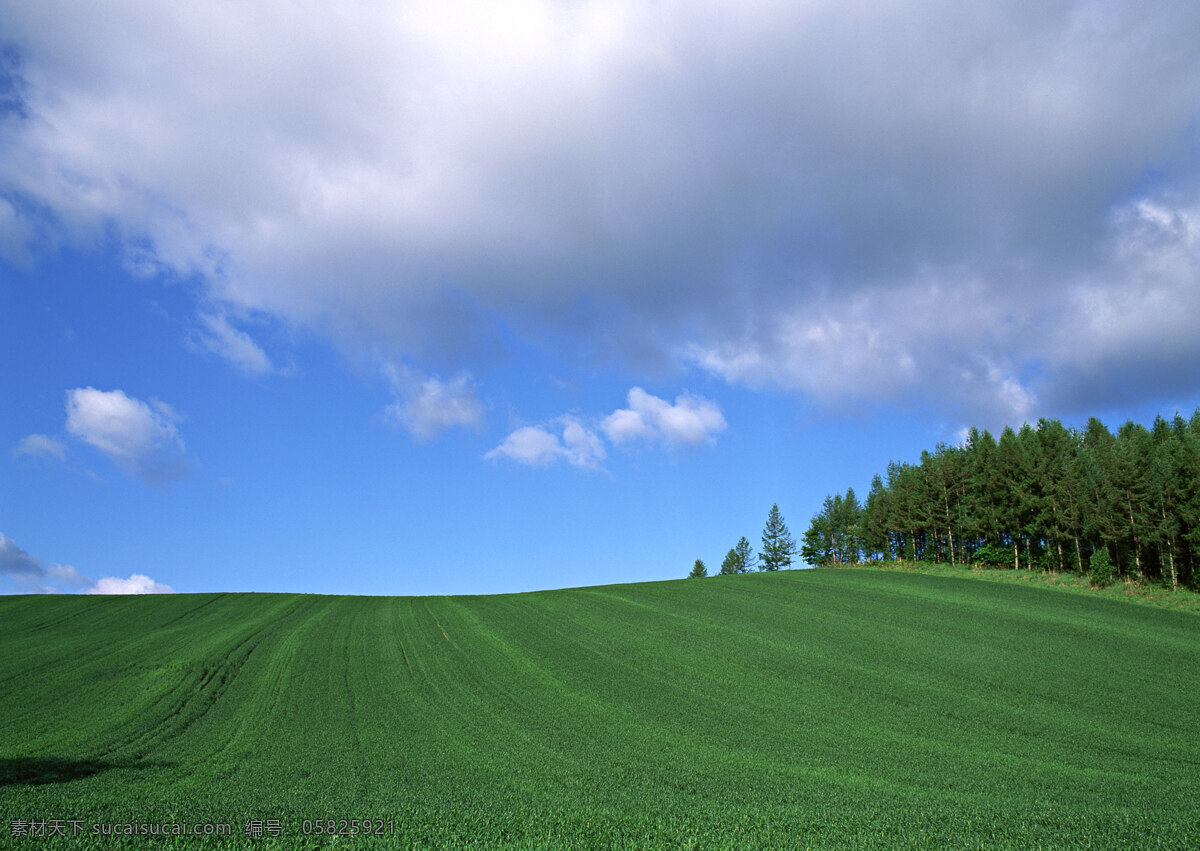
820 707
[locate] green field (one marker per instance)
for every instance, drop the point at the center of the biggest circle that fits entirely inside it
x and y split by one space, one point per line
821 708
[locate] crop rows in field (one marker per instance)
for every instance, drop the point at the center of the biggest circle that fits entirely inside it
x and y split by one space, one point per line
818 707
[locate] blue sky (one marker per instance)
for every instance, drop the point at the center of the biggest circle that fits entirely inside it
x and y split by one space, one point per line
455 298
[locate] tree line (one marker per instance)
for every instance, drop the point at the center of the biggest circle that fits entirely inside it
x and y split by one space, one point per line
1040 498
778 550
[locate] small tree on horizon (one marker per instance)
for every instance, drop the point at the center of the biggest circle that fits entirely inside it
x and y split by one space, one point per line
778 545
745 555
699 571
740 559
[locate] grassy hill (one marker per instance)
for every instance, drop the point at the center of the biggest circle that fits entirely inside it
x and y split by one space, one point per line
816 707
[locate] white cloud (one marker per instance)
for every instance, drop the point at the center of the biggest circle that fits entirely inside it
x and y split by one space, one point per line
537 446
426 405
64 576
905 204
944 337
137 583
33 575
1138 313
1104 336
583 447
236 346
532 445
139 437
41 446
692 419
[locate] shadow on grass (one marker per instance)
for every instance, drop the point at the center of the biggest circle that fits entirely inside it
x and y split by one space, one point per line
38 770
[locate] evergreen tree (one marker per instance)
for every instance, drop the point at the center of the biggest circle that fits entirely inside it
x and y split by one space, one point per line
846 533
817 547
982 500
746 559
1031 497
944 473
740 559
1049 496
1061 514
873 522
1165 492
1101 504
778 546
699 571
1130 477
909 508
1011 479
1189 475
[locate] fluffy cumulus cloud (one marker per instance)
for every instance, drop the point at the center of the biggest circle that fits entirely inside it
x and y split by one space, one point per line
139 437
648 419
567 439
137 583
692 419
936 201
427 405
33 575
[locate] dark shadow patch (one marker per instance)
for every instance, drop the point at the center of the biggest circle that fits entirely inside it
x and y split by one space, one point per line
39 770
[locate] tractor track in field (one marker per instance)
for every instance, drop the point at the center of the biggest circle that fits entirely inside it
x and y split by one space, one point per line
215 681
190 613
443 632
745 712
67 615
363 774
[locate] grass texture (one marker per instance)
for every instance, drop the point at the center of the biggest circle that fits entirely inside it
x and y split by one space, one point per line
1146 592
801 709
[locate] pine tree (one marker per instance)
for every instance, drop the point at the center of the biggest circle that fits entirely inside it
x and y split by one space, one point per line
778 546
1011 479
699 571
1130 477
1164 491
982 503
874 521
1189 473
1060 505
944 472
739 559
1031 496
847 534
745 555
817 546
909 508
1049 497
1105 517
